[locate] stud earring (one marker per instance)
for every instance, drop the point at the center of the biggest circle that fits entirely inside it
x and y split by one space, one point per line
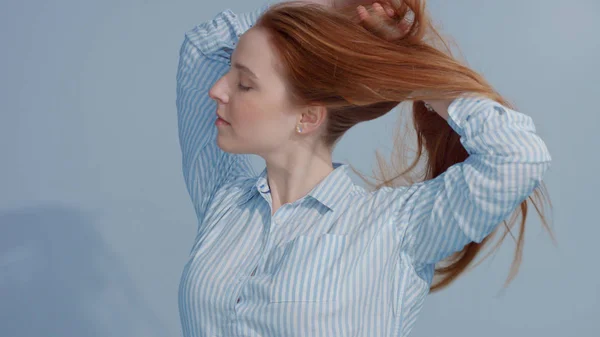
299 128
428 107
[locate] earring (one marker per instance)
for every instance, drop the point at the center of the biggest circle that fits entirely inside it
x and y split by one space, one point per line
428 107
299 128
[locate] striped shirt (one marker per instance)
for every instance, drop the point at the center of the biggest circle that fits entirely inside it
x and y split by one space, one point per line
340 261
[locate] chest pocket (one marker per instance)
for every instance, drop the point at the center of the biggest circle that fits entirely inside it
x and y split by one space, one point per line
309 269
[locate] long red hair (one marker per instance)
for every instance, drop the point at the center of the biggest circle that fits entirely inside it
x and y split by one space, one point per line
327 57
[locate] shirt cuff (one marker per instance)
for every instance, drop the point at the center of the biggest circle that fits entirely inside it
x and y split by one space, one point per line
247 19
218 37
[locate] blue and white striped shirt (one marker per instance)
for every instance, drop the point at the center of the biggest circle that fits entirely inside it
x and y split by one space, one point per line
341 261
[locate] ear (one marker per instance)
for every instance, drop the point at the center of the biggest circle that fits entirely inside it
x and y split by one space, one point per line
313 117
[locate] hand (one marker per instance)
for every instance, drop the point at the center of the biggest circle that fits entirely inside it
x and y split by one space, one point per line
388 22
385 20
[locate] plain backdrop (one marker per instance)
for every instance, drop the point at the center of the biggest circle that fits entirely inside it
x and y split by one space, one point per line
95 220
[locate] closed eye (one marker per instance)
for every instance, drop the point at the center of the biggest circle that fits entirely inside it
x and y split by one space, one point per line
243 88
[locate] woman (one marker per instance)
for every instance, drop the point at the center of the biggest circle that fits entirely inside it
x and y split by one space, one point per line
299 249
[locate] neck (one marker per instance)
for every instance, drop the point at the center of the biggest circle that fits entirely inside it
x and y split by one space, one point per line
292 176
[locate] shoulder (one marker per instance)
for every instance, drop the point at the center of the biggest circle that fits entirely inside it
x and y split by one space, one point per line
385 200
395 197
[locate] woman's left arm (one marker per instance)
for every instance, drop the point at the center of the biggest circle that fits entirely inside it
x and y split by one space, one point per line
465 203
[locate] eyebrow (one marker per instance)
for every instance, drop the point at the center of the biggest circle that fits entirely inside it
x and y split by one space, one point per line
245 69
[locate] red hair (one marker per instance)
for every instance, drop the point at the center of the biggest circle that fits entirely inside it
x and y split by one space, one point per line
328 58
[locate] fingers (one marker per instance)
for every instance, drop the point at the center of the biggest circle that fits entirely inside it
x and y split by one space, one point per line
371 22
380 21
376 17
388 9
398 5
380 11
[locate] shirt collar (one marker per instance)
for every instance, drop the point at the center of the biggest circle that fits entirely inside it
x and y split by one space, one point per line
329 192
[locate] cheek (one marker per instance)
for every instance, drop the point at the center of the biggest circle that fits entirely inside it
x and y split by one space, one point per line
248 118
254 112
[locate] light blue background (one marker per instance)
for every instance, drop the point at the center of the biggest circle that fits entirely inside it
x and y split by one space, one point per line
95 221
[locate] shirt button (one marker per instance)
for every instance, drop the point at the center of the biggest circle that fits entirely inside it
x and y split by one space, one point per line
238 300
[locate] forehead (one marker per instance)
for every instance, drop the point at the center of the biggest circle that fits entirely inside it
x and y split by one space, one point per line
255 52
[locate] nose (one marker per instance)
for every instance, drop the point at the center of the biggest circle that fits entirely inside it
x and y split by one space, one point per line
218 91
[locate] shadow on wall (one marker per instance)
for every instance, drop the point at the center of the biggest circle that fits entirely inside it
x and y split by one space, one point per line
58 278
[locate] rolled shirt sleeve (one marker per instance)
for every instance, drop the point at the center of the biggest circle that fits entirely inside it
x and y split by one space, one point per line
507 161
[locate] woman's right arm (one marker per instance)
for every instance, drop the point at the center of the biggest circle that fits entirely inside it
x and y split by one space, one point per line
204 58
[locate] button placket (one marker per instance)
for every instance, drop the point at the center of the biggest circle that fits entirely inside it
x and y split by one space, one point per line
242 276
241 279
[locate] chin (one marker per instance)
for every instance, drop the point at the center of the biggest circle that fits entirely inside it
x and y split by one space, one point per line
222 145
226 146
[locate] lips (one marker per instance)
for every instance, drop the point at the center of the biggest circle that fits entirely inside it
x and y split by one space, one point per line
221 118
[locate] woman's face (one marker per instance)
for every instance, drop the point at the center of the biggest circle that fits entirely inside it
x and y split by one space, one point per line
252 97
